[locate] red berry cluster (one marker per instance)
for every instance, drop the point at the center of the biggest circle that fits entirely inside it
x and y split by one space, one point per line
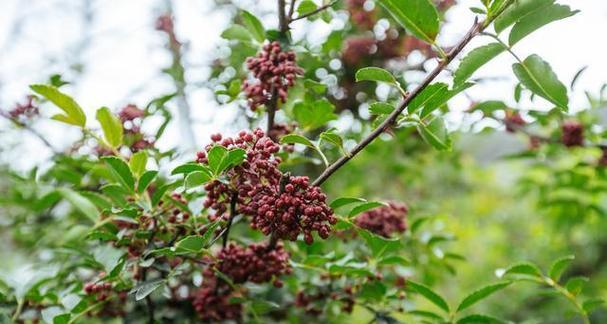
274 71
260 166
513 121
362 18
281 205
132 118
25 110
287 212
213 305
385 221
102 289
130 112
177 216
165 23
573 133
255 263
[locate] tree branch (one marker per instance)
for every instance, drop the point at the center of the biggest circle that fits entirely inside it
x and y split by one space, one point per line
31 130
283 23
476 28
233 202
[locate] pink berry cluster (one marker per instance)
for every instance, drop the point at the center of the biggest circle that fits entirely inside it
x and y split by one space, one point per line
255 263
259 166
513 121
101 289
24 110
177 216
166 24
213 305
279 205
573 133
386 220
360 16
290 211
274 71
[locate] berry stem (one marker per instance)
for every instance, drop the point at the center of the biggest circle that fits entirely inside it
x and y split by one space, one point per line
233 202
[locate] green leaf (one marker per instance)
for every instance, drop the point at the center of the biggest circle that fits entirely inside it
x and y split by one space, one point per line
481 294
591 304
378 245
417 16
538 19
557 268
437 101
306 7
190 244
373 291
314 115
209 233
260 306
426 314
138 162
475 59
145 288
537 75
434 90
479 319
429 294
343 201
394 260
74 114
329 136
380 108
364 207
111 125
80 202
490 106
524 268
374 74
435 133
197 178
121 171
189 167
220 159
145 179
237 32
254 26
297 139
518 10
576 284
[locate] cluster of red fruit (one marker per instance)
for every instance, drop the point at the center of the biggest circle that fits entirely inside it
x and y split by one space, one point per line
101 289
213 305
165 23
385 221
572 133
279 205
513 121
25 110
256 263
177 216
274 71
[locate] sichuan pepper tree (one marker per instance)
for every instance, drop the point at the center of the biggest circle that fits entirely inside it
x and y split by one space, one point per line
244 231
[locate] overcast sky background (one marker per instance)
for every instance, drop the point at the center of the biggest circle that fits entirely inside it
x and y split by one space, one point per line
123 55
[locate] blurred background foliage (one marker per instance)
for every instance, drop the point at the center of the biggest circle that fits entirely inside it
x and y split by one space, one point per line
492 201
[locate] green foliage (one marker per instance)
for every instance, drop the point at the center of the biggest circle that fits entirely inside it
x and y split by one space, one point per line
418 16
537 75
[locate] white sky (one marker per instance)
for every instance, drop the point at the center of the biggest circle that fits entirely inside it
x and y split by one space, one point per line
124 58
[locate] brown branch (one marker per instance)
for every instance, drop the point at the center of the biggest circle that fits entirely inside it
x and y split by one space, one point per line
31 130
283 23
233 202
272 107
476 28
291 9
312 13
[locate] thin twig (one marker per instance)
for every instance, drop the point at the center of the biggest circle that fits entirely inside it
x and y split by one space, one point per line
31 130
233 202
291 9
312 13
